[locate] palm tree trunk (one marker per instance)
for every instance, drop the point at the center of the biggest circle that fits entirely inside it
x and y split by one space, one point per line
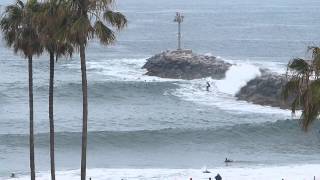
51 122
84 111
31 136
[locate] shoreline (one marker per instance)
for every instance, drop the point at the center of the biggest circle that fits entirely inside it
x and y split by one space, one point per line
292 172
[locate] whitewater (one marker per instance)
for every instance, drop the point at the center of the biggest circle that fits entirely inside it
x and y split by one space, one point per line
298 172
221 95
143 127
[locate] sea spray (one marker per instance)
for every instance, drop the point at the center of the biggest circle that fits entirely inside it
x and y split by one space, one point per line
236 77
221 93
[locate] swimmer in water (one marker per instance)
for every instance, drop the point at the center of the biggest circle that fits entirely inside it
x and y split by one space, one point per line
206 170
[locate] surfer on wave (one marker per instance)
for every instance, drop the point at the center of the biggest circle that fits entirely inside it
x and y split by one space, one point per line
228 160
208 86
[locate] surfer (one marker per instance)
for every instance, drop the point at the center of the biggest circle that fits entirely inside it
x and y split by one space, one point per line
208 86
206 170
228 160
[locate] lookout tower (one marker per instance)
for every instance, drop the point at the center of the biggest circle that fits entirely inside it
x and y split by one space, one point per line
179 19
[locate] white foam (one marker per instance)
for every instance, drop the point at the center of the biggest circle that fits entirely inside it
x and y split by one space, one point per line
236 77
222 92
273 66
195 91
294 172
121 70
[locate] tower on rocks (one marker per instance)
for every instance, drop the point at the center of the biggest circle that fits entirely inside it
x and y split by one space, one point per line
179 19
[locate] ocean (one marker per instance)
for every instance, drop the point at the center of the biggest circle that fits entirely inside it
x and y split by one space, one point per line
143 127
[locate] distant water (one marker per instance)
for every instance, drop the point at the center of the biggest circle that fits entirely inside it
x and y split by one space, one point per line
141 122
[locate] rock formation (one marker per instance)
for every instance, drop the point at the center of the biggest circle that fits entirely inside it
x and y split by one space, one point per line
183 64
265 90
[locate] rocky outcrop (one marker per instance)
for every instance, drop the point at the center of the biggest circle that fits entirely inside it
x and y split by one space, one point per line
183 64
265 90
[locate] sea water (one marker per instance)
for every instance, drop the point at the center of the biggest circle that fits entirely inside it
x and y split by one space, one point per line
143 127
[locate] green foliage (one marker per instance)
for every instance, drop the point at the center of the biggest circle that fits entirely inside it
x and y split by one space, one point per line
90 19
105 34
18 30
59 26
303 86
47 20
115 19
300 66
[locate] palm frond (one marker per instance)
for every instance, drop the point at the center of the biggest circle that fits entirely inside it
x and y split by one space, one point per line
86 21
64 49
303 86
81 29
290 88
116 19
298 65
315 60
104 34
17 29
100 5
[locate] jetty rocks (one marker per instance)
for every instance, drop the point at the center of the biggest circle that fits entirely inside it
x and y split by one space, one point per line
184 64
265 90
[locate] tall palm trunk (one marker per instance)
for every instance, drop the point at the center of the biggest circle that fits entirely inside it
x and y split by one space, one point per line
31 136
51 122
84 111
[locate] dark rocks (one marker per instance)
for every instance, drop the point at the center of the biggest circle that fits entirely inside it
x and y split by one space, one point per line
183 64
265 90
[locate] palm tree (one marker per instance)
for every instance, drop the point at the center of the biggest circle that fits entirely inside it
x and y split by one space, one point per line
89 20
57 51
303 87
18 32
48 21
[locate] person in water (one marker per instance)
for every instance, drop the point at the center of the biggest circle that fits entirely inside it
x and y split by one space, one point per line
208 86
218 177
206 171
228 160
